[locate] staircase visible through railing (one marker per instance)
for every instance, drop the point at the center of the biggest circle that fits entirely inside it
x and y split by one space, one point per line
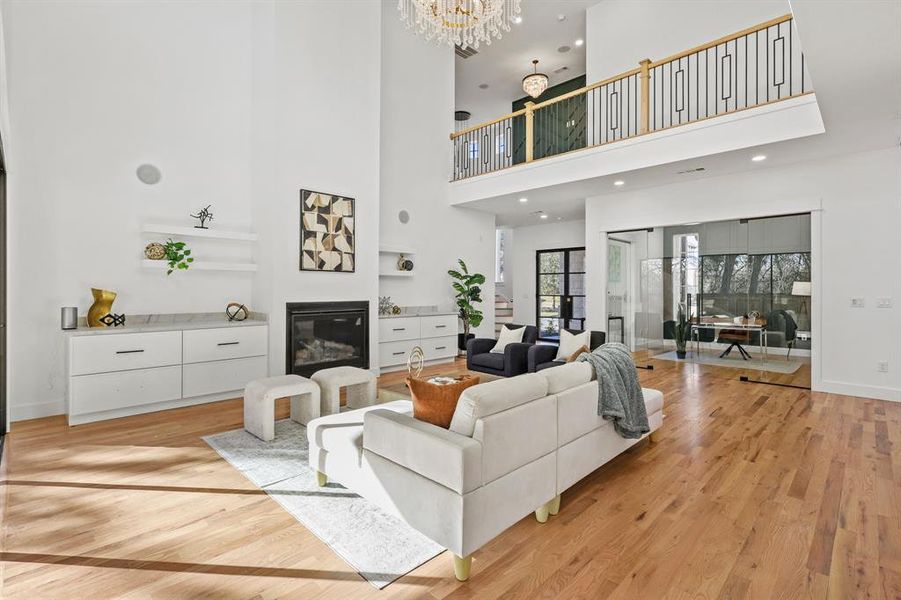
753 67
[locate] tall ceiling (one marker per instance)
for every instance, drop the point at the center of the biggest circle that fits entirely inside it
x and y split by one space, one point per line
504 63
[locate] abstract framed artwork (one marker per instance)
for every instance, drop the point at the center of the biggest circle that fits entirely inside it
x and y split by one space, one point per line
327 232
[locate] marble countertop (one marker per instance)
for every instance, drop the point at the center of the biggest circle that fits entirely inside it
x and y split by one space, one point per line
169 322
425 312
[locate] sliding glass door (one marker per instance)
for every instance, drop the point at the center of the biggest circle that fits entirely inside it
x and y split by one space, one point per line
560 291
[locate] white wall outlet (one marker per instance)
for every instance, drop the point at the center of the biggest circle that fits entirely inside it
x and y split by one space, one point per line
858 303
883 302
882 366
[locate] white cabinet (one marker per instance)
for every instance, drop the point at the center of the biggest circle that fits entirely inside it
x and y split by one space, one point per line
113 374
435 334
204 345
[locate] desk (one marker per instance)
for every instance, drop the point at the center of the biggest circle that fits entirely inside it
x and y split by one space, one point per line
720 325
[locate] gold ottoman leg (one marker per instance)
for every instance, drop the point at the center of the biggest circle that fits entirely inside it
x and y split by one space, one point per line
554 505
462 567
321 478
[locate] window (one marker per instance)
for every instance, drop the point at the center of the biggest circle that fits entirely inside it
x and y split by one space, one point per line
473 150
560 291
685 271
500 241
500 144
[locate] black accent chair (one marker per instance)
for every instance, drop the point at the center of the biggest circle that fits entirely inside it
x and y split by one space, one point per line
541 356
514 360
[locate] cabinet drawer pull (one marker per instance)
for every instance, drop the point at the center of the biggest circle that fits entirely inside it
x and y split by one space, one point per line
128 351
440 326
397 354
440 347
228 343
399 329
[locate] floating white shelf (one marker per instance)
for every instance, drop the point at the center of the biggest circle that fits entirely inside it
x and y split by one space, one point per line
396 274
389 249
202 265
213 234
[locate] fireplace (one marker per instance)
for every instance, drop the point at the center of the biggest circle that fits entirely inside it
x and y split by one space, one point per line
321 335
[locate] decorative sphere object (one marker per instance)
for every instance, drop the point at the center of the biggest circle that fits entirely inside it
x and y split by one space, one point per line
155 251
235 311
415 361
395 310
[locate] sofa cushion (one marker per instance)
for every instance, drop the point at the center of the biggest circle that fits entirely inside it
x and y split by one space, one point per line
490 360
508 335
548 365
495 396
567 376
343 432
570 342
577 410
653 400
517 436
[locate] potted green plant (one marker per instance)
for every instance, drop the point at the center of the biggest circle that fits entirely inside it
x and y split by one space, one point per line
178 255
468 294
682 330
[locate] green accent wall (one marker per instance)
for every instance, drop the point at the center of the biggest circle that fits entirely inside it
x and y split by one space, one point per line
558 128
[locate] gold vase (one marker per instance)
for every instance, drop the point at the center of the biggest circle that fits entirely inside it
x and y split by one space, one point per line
103 304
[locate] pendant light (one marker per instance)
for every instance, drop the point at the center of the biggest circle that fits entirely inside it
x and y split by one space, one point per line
535 83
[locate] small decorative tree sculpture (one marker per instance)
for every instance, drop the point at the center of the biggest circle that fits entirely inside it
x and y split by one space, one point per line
204 215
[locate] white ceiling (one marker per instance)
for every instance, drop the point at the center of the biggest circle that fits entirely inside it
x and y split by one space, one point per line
504 63
858 87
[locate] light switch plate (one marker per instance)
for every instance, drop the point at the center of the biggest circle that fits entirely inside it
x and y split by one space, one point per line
884 302
857 303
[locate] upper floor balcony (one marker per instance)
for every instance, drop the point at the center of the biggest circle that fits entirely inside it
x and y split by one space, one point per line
603 127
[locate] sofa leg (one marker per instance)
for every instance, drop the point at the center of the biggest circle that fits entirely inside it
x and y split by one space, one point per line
462 566
542 512
656 435
321 478
554 505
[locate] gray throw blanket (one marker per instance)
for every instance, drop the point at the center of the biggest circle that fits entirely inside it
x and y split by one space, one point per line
619 394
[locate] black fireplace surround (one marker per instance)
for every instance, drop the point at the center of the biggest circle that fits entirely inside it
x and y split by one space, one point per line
321 335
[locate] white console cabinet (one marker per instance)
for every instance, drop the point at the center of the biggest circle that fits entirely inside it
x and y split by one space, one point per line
436 334
115 374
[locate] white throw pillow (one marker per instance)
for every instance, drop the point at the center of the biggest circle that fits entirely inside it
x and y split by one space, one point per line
508 336
569 343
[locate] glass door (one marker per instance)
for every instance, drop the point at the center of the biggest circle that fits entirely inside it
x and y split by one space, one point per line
560 291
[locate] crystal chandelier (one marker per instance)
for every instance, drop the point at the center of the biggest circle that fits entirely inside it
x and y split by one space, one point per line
464 23
535 83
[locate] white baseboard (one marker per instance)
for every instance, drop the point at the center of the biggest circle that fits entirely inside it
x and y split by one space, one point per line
861 391
37 410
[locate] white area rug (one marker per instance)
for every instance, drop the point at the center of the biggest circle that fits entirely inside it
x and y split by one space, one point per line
379 546
773 365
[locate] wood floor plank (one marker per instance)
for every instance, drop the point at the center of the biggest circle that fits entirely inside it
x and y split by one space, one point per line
754 491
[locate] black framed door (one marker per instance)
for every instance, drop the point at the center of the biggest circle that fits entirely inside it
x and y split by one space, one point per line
559 291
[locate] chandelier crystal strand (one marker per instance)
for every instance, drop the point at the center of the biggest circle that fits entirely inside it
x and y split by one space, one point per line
464 23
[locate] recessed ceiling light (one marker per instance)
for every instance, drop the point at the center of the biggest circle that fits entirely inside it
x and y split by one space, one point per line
561 17
517 19
544 216
759 157
619 182
523 200
483 86
579 42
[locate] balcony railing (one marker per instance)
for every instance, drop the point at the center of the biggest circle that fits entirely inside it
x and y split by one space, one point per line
753 67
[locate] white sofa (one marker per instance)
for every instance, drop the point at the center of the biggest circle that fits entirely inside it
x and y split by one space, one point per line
513 447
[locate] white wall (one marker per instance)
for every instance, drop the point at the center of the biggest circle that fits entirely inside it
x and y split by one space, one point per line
417 115
855 250
315 126
96 89
616 29
566 234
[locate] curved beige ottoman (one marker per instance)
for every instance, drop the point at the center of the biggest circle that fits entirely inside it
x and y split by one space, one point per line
259 403
360 384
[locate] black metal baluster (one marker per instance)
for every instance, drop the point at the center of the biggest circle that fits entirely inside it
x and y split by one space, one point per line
746 71
790 58
767 64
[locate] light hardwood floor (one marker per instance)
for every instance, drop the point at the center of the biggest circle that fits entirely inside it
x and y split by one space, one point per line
755 491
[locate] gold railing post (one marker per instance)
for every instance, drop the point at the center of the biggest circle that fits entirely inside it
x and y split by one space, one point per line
645 78
530 132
